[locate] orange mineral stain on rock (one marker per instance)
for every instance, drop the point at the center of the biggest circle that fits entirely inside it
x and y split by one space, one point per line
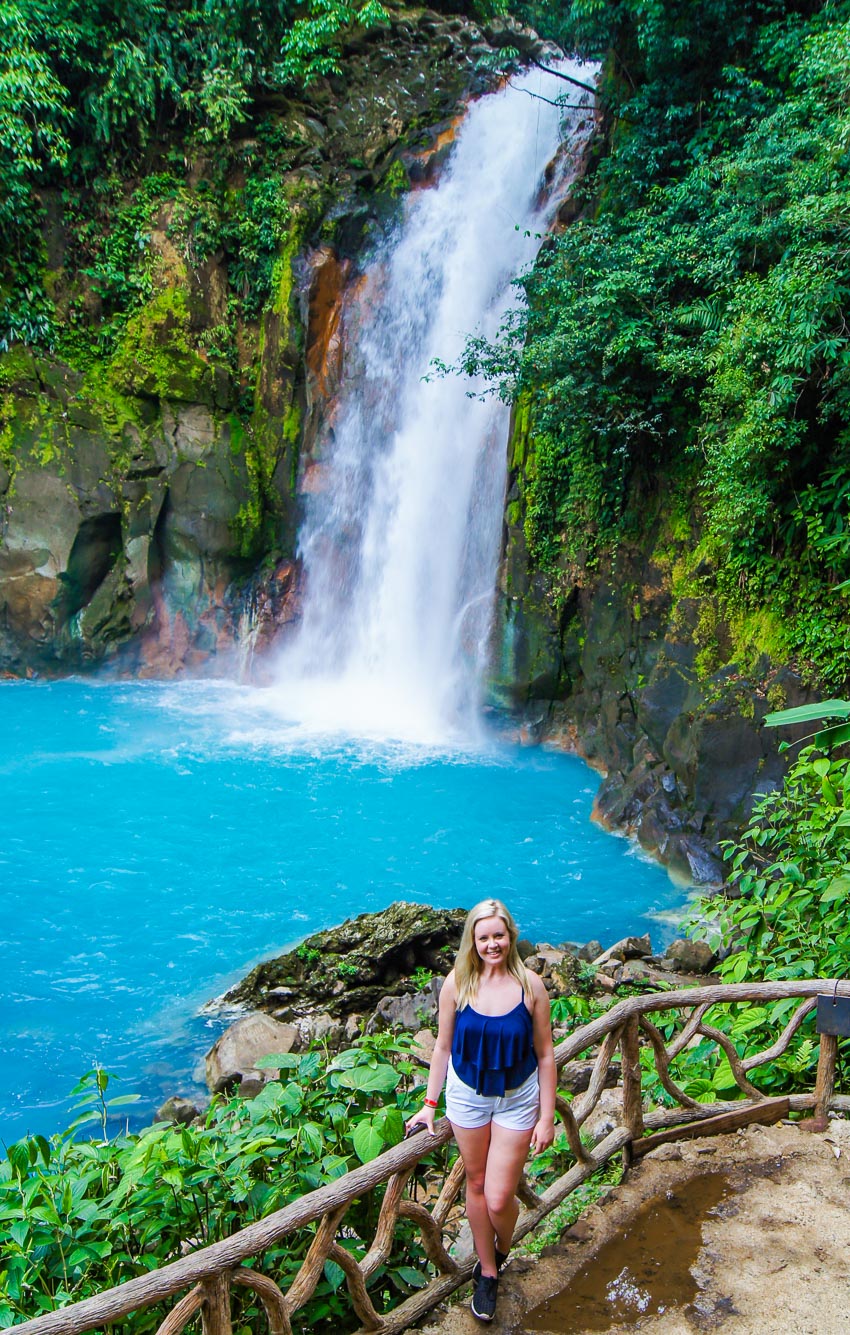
325 302
423 167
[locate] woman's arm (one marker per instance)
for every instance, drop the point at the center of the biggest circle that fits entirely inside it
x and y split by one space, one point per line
440 1057
541 1015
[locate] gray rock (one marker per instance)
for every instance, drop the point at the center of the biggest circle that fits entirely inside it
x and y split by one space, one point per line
636 971
691 956
606 1116
322 1028
234 1055
411 1011
566 976
590 951
425 1041
177 1109
629 948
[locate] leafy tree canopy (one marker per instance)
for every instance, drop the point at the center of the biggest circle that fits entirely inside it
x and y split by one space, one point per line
694 317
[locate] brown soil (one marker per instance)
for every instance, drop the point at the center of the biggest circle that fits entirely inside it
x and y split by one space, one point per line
746 1234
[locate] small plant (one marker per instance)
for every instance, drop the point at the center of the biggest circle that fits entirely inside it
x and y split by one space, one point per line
576 1203
421 978
309 954
345 969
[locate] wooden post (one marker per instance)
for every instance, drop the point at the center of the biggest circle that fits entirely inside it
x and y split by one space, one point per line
825 1081
632 1098
215 1312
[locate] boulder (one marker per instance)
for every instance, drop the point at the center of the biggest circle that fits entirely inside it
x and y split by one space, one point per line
234 1055
691 956
629 948
566 976
636 971
590 951
606 1116
425 1042
177 1109
575 1076
321 1028
411 1011
355 967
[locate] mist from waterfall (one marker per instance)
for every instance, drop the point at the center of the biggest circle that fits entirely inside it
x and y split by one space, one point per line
400 542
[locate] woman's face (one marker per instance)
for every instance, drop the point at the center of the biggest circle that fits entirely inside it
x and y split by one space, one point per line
492 940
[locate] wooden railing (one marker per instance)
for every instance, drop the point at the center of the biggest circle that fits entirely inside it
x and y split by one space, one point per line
208 1275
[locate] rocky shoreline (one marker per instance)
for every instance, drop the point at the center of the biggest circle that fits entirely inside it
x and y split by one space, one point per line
383 972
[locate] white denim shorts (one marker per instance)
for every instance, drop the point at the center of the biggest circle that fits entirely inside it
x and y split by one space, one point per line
517 1110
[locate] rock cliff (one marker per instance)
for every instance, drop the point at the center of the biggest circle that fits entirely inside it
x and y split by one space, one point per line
630 665
150 468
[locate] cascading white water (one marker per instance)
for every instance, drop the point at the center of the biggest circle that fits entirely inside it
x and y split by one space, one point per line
400 543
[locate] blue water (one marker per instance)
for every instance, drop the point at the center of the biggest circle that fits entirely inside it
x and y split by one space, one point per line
156 841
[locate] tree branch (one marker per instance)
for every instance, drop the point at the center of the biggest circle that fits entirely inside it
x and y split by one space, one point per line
567 106
568 78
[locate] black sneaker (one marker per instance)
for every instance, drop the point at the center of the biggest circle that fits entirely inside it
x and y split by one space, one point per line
484 1298
501 1258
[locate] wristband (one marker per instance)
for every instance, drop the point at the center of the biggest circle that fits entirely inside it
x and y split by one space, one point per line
430 1103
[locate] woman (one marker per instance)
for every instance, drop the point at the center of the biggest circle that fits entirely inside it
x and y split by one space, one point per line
495 1044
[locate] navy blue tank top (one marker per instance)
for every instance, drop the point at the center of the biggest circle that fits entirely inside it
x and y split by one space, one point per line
494 1053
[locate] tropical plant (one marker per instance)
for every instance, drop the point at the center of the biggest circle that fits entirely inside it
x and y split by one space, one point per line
77 1216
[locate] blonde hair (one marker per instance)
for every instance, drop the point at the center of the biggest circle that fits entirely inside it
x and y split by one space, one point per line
469 965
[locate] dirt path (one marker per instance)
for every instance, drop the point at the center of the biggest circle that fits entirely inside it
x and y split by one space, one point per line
746 1234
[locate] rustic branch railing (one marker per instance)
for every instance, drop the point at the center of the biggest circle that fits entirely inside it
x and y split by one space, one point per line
209 1273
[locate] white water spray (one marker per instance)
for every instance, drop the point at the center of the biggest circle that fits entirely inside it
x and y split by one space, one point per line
400 545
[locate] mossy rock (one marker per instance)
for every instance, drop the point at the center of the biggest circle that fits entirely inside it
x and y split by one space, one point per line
349 969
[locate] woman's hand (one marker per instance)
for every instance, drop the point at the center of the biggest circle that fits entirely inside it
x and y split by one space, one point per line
542 1135
423 1120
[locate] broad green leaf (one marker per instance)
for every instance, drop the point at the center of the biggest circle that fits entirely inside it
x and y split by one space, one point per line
414 1278
373 1080
367 1142
808 713
836 736
277 1061
334 1274
838 888
390 1123
311 1139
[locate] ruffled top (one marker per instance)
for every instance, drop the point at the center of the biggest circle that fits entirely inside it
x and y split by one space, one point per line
494 1053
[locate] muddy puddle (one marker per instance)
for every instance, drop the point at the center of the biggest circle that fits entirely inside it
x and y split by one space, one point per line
646 1271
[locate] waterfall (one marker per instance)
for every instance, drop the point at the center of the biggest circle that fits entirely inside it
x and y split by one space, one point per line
400 541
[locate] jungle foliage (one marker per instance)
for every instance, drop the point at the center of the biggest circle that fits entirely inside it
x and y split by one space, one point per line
98 95
79 1215
694 316
783 916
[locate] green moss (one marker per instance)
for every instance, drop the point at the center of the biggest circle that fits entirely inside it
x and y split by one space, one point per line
776 697
154 357
518 448
757 633
7 437
17 367
396 181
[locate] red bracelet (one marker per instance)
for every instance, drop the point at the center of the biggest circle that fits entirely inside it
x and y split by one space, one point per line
430 1103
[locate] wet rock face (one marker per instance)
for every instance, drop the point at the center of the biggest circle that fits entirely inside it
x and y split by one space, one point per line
618 675
115 534
231 1061
350 969
148 515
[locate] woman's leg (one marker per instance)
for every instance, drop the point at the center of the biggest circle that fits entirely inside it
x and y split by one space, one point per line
506 1159
474 1145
